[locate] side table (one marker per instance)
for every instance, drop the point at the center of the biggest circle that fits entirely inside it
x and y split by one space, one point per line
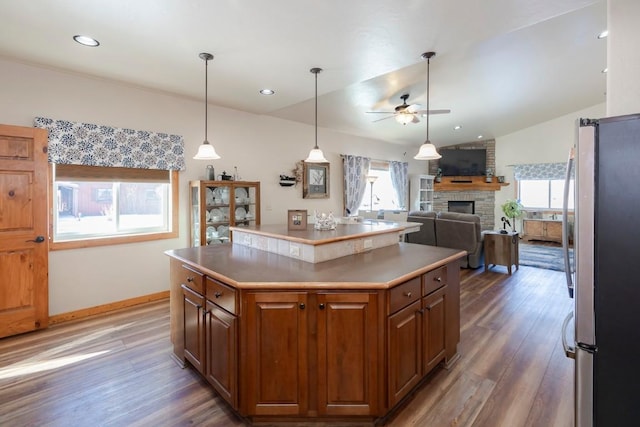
501 249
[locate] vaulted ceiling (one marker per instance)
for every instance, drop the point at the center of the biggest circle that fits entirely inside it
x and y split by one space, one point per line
501 65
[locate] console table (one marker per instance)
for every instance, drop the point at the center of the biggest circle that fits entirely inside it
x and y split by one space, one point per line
501 249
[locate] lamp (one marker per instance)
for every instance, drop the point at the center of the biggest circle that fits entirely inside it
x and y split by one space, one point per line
371 179
427 149
206 150
404 118
315 155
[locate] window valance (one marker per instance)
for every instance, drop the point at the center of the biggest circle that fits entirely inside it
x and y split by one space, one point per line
540 171
98 145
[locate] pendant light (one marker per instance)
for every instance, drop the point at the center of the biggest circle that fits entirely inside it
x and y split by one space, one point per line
206 150
315 155
427 149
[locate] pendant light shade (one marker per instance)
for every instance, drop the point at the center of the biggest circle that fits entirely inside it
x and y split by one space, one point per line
427 149
206 150
316 155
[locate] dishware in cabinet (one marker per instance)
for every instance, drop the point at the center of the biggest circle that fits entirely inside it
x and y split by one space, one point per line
218 205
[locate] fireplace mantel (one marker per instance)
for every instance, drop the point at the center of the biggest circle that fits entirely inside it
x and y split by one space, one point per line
468 183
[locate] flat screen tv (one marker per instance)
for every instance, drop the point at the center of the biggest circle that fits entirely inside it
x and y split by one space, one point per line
457 162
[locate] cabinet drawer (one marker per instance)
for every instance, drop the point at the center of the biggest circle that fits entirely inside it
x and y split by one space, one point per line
222 295
192 279
404 294
434 279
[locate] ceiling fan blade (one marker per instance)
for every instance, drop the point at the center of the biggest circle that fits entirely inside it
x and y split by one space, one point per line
384 118
412 108
380 112
433 112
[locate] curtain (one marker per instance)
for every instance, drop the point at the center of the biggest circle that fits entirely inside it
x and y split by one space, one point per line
400 181
355 170
540 171
97 145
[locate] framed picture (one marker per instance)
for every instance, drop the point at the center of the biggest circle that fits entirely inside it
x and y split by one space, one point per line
297 219
315 181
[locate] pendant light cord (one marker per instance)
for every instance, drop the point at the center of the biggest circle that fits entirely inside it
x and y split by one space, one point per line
206 101
428 61
316 73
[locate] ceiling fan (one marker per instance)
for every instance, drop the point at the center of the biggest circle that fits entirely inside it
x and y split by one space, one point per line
407 113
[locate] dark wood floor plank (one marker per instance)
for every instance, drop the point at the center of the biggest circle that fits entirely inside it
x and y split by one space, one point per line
116 370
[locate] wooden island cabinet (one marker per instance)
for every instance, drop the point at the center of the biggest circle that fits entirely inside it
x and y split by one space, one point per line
281 339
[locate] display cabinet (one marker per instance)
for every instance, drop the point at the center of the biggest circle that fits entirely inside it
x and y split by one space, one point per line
421 192
218 205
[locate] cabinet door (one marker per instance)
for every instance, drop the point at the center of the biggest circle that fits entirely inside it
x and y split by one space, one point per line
221 355
275 354
554 230
533 229
433 328
193 304
348 362
405 346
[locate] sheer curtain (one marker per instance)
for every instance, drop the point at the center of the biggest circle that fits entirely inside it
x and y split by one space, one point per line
355 181
400 181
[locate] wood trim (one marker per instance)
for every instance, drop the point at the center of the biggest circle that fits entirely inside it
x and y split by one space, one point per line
106 308
477 183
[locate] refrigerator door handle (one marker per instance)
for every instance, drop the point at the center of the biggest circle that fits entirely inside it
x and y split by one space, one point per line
569 351
565 224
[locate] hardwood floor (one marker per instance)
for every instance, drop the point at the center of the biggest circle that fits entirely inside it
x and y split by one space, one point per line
116 370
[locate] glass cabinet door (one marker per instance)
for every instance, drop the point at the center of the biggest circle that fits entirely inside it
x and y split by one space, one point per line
218 205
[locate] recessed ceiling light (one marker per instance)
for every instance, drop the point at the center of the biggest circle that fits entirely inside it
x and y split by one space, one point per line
480 136
605 70
457 127
267 91
603 35
86 41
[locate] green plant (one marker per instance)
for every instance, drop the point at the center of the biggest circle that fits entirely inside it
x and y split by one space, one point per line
512 209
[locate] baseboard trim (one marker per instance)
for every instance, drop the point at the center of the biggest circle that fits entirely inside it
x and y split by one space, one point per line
105 308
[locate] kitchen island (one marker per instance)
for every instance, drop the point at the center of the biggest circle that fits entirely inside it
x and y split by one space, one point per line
282 339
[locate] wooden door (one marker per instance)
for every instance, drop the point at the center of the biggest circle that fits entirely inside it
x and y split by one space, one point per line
433 329
221 355
24 230
405 347
275 351
553 230
348 360
193 308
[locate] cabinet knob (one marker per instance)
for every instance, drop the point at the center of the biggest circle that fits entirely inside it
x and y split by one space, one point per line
407 294
438 279
217 294
302 306
189 279
321 306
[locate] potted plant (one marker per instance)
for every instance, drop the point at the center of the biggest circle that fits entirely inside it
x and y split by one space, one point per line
512 209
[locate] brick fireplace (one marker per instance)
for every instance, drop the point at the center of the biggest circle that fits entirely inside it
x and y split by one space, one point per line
482 196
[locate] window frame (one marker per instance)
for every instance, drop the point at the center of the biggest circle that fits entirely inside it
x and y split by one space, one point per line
549 197
115 240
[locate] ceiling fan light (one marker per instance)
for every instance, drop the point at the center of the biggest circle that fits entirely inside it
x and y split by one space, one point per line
206 152
427 152
316 156
404 118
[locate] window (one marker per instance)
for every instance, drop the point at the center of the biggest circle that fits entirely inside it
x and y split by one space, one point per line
108 205
382 193
544 193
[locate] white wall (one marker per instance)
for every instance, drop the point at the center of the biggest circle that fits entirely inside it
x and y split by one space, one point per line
623 57
261 147
548 142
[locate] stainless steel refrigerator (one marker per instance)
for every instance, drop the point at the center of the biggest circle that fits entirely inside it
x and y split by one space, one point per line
606 285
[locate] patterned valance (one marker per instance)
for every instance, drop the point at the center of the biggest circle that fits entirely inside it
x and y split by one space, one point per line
97 145
540 171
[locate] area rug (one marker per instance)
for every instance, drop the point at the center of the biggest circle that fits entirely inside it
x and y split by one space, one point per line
541 256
